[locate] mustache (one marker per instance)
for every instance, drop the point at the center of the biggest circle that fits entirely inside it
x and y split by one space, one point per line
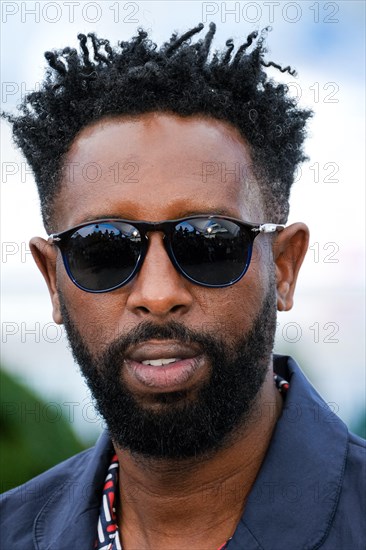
148 330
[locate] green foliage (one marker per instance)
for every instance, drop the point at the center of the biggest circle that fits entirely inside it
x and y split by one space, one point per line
34 435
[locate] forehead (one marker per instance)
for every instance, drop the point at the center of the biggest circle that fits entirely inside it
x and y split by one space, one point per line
155 167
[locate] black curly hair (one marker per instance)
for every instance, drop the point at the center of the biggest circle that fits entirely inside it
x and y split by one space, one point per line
180 77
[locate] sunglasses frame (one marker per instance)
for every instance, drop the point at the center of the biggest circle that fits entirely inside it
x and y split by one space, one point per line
166 227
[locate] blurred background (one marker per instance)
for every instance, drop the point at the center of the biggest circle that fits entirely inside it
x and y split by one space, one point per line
46 410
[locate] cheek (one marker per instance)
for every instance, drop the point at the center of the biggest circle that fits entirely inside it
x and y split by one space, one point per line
245 299
96 316
231 312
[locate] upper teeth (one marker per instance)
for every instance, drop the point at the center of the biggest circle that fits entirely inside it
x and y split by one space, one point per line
158 362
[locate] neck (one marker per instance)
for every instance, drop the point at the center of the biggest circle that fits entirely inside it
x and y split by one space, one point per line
195 502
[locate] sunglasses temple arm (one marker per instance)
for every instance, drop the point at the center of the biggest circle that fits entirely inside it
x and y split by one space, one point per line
269 228
53 239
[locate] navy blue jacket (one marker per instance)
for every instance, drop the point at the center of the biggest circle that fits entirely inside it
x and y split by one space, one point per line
310 491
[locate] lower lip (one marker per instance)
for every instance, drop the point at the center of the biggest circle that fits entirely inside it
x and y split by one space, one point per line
165 377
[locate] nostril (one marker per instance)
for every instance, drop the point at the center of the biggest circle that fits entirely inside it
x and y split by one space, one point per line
143 309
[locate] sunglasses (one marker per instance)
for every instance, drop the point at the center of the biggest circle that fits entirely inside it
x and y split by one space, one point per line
211 251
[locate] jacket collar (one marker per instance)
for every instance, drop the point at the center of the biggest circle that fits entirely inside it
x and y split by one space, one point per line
70 516
292 501
295 496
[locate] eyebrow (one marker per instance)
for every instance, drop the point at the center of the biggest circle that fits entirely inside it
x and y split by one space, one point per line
207 212
180 214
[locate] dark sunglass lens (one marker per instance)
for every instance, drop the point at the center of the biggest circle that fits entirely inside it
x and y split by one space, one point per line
101 256
211 250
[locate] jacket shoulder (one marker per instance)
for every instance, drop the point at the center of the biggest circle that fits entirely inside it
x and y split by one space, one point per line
355 470
27 500
348 528
357 443
35 514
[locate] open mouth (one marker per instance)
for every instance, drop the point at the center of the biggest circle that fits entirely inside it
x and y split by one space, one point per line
163 365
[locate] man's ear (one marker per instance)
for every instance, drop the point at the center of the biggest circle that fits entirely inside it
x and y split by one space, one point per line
45 256
289 251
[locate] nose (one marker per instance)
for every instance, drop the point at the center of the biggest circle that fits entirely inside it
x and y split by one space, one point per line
158 289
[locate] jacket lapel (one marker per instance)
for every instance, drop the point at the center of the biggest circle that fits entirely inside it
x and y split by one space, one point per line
294 498
69 518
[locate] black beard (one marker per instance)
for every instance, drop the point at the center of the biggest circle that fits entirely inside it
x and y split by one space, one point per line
180 427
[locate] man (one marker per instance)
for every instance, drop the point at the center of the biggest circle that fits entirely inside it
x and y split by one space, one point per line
167 276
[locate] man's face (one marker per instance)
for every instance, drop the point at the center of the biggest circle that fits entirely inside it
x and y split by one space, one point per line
157 167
